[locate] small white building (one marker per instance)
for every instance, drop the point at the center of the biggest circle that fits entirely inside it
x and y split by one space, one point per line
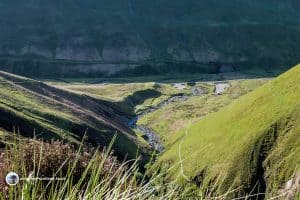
220 88
179 86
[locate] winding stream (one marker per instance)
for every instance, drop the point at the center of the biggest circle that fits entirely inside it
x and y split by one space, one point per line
151 136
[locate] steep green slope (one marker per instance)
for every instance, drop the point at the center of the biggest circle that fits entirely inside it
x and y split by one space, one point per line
93 38
249 146
32 107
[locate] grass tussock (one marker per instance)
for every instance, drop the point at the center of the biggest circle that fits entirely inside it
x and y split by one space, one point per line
74 174
85 174
49 158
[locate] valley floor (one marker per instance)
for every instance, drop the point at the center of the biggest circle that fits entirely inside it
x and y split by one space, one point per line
191 125
158 110
165 115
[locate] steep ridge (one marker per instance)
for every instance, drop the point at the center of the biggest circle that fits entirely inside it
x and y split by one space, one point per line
251 146
34 107
93 38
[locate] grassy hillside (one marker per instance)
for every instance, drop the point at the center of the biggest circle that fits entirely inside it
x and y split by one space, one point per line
133 38
250 146
33 107
168 120
131 98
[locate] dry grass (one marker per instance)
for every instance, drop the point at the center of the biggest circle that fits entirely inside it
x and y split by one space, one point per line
55 159
50 157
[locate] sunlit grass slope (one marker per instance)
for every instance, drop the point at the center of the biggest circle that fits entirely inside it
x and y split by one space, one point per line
253 144
33 107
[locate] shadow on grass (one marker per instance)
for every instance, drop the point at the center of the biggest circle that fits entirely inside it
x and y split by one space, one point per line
137 98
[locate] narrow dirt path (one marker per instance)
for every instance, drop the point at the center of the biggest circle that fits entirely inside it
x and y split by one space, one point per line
179 154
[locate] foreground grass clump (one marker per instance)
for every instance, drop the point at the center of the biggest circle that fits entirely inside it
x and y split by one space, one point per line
81 174
47 159
84 174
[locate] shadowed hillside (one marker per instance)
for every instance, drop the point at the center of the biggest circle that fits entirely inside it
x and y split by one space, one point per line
32 107
93 38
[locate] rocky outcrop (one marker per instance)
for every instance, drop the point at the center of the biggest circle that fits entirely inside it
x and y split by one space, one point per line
77 53
36 51
290 189
152 138
180 53
125 54
206 55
